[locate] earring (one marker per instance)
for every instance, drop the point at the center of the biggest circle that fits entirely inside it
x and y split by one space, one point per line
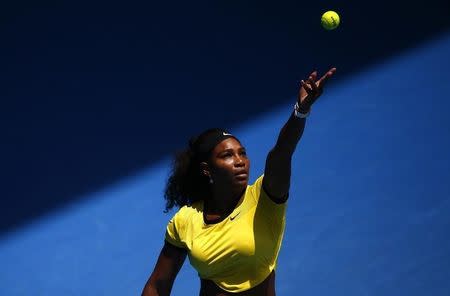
211 181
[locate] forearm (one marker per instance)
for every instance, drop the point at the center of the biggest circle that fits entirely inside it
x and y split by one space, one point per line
277 173
289 136
292 131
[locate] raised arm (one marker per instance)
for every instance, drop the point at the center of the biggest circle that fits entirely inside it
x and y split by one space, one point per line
166 269
277 173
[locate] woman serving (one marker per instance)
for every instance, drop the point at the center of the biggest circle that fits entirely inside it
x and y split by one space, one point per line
231 231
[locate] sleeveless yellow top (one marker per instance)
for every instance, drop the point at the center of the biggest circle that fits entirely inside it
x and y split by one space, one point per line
239 252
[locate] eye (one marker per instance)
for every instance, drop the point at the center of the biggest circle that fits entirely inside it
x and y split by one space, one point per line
243 155
227 154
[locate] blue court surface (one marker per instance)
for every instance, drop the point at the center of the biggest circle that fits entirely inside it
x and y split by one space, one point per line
369 212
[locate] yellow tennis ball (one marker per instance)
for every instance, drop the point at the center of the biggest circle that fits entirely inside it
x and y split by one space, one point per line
330 20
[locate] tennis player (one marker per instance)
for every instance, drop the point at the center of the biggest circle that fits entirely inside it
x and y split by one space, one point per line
230 230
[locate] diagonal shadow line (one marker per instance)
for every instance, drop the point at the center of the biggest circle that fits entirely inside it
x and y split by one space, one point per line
88 103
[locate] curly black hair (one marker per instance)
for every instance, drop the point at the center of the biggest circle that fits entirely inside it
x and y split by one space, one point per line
186 184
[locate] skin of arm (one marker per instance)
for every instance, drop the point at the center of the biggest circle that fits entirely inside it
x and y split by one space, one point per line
277 173
169 262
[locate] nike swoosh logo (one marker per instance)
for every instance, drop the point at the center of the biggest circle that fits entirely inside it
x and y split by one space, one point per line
232 218
226 134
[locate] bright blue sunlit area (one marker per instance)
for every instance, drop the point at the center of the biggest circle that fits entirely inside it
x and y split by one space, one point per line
369 208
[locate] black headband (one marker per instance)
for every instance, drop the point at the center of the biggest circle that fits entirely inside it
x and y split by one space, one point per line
206 141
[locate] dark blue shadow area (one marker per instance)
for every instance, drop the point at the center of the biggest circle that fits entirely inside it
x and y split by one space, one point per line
92 92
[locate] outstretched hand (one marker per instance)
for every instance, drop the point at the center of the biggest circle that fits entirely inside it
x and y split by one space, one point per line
311 89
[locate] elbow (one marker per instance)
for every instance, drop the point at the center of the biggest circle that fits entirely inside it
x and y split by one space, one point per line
150 290
158 288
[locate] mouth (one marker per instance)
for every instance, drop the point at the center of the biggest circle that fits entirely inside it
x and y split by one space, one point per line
241 175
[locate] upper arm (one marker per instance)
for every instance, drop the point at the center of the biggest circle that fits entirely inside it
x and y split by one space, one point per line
169 263
277 175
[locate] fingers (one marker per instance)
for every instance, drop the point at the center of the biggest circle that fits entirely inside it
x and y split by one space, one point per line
306 86
312 81
310 84
313 76
312 88
326 76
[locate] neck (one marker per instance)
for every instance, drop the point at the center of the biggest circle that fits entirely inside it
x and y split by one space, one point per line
223 199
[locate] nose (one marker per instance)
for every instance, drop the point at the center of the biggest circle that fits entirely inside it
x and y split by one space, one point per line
239 161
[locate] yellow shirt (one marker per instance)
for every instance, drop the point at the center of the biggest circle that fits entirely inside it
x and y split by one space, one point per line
239 252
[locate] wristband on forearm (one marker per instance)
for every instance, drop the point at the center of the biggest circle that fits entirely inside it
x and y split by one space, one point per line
300 113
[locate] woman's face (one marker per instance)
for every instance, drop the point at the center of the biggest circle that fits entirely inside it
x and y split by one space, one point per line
229 164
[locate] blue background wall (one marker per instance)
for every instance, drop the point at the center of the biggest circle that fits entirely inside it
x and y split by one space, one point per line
96 97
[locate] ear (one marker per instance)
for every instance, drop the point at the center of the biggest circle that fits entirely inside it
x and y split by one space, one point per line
204 169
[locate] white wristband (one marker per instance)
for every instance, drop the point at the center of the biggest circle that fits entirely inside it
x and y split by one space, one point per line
297 112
